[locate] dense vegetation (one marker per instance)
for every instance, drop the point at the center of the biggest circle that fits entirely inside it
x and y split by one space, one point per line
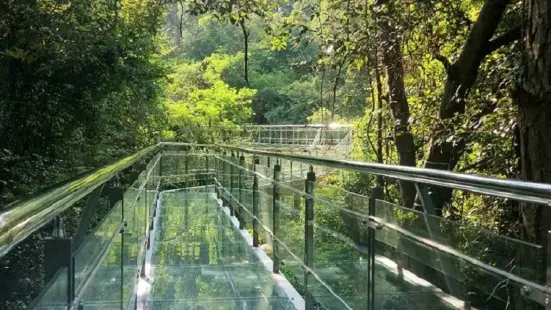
428 84
455 85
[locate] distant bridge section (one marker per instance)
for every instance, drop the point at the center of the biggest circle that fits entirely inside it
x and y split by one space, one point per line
337 137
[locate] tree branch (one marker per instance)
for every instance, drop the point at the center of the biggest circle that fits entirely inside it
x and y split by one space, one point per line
445 62
481 164
505 39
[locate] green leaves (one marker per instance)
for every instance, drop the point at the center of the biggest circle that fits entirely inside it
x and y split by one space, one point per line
200 103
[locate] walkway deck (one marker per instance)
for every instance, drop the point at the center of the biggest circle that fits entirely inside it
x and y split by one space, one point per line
199 260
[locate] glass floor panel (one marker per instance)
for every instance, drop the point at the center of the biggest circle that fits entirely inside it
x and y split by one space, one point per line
201 261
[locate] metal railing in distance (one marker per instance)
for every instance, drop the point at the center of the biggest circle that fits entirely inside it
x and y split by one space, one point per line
297 135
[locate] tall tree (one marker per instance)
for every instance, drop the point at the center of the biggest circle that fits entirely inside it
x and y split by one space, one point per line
392 59
533 97
445 153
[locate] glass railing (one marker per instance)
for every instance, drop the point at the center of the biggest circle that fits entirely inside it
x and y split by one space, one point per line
354 250
104 266
297 135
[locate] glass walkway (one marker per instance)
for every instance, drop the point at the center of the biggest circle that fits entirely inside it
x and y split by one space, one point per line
200 260
196 227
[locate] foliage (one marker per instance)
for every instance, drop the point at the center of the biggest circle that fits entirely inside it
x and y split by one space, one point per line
80 87
200 105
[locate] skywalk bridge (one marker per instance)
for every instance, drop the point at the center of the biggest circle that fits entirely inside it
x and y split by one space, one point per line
333 140
182 226
299 135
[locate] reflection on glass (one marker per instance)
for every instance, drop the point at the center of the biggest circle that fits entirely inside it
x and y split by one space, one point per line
200 260
54 296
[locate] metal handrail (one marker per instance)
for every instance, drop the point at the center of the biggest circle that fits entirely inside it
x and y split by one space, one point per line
21 218
380 222
506 188
330 126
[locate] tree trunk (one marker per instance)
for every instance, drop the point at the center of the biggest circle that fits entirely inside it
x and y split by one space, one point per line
246 49
444 154
174 23
380 121
392 59
533 97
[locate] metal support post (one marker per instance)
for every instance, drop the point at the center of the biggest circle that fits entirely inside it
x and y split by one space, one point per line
376 193
291 170
222 177
547 298
275 218
309 234
122 263
86 217
161 168
255 204
217 176
232 184
58 254
241 175
186 164
207 166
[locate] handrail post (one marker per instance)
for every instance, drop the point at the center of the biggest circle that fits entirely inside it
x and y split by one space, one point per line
376 193
224 178
291 170
255 204
207 173
186 163
240 205
58 254
217 175
207 164
161 167
275 218
232 185
309 234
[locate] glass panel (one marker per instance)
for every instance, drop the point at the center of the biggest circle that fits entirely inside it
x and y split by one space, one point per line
291 221
340 260
201 260
54 296
104 289
247 199
423 272
265 216
489 247
90 251
324 299
133 246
